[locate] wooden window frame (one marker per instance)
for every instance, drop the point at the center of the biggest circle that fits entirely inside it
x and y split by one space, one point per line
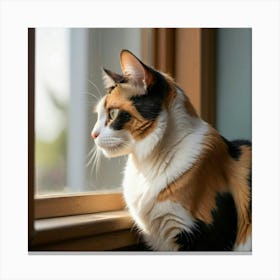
50 206
196 68
188 55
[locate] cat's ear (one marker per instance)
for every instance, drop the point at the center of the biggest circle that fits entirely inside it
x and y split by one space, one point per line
134 69
110 79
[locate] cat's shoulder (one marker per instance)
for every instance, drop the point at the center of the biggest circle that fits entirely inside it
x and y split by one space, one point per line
236 147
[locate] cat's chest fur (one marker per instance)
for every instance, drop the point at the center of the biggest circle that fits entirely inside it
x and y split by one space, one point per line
136 188
144 181
156 219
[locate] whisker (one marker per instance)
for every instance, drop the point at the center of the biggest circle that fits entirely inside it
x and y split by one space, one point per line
95 86
97 162
91 159
91 151
85 100
92 95
94 160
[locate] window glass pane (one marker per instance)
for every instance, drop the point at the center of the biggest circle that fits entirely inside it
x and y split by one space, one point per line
68 84
51 108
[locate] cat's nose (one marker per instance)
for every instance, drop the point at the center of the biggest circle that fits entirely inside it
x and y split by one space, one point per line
94 134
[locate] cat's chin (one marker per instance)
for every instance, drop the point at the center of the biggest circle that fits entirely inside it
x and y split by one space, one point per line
115 152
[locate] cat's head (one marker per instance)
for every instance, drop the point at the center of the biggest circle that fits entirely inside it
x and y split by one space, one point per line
133 113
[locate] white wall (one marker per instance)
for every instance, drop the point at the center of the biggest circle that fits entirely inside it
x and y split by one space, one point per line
234 83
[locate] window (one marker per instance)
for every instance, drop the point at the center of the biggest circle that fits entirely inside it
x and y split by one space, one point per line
76 208
64 83
67 85
52 94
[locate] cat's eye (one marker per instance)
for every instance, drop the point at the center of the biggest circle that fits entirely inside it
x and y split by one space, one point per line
113 113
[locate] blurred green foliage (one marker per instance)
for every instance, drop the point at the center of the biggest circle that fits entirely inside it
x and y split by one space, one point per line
51 156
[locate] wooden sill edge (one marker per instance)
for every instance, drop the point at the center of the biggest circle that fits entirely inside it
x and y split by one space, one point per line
51 232
52 206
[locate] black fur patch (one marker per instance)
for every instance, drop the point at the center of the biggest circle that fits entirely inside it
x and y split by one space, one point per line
234 147
235 152
149 105
218 236
122 118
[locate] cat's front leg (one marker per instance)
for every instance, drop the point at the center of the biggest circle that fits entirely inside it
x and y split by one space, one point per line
159 242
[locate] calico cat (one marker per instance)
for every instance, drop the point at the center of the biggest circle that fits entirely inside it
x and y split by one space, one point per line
186 187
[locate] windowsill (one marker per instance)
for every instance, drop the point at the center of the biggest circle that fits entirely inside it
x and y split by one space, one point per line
87 232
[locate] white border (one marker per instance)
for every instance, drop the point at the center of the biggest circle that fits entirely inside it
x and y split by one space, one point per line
262 16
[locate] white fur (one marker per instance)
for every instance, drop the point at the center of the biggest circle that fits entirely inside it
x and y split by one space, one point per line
154 164
113 143
161 162
244 247
165 221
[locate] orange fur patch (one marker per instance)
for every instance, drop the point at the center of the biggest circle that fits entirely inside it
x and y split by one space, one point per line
138 126
240 172
196 189
214 172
